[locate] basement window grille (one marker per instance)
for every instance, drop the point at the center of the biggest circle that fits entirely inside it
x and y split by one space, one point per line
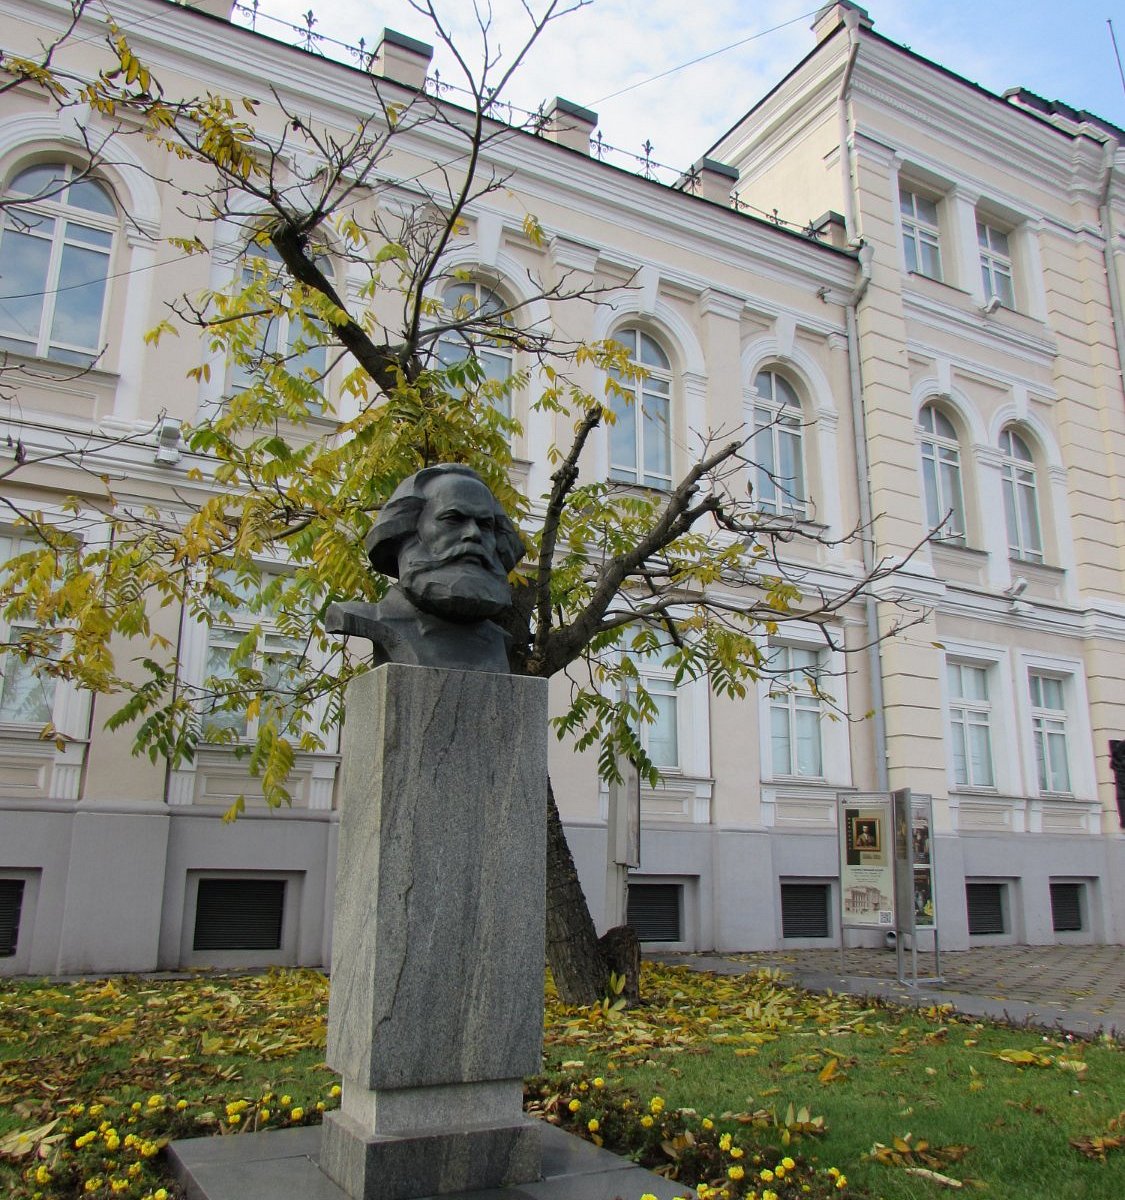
805 909
11 901
985 904
1066 907
655 911
239 914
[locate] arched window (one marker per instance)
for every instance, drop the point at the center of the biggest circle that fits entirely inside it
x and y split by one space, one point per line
290 337
941 474
56 243
1021 506
779 472
640 439
473 300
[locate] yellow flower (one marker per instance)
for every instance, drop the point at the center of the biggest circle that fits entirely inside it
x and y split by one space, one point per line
155 1100
592 1125
736 1151
765 1175
265 1114
76 1110
334 1090
646 1121
320 1106
779 1171
724 1142
234 1118
181 1105
648 1196
112 1141
834 1172
788 1163
626 1103
286 1101
841 1183
707 1123
135 1106
95 1109
84 1140
93 1183
42 1175
735 1172
600 1082
148 1149
118 1185
160 1194
656 1105
297 1113
769 1194
134 1170
574 1105
237 1106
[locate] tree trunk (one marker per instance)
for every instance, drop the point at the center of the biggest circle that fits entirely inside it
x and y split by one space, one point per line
580 971
622 953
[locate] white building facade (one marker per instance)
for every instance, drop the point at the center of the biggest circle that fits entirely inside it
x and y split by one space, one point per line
946 339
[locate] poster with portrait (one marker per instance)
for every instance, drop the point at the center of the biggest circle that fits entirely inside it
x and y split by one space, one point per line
923 898
866 861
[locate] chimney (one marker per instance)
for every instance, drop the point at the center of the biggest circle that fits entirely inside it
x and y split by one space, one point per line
402 59
569 124
710 179
832 16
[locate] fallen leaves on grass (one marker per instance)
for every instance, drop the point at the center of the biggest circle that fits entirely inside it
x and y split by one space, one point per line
1098 1145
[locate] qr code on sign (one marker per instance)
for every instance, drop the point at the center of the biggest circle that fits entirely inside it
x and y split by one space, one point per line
886 916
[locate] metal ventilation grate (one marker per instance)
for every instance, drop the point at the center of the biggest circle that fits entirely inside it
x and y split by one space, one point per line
805 910
1066 907
985 902
239 914
654 911
11 901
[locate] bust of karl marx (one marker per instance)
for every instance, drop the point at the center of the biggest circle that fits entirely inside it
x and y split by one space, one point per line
450 545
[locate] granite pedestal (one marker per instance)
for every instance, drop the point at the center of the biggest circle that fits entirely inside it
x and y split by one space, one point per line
436 999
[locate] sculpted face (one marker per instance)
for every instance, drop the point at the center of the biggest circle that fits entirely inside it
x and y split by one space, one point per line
451 568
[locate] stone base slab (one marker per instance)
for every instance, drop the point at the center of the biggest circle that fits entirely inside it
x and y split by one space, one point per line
283 1164
405 1165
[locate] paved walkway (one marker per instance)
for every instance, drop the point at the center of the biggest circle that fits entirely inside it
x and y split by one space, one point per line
1079 989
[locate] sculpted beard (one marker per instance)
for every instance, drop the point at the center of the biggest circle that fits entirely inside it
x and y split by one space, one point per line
460 585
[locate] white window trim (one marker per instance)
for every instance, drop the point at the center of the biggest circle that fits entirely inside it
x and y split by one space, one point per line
1079 737
996 660
637 387
951 535
789 503
835 735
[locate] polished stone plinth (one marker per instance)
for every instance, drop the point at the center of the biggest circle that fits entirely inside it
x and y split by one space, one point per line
436 1001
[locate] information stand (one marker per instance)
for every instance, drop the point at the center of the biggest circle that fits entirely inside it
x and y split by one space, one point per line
867 863
915 885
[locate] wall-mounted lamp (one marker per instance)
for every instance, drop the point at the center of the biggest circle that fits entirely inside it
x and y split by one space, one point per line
1017 589
169 432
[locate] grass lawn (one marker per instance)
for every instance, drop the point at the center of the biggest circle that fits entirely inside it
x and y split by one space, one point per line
745 1085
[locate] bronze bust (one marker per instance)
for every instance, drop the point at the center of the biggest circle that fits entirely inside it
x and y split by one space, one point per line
450 545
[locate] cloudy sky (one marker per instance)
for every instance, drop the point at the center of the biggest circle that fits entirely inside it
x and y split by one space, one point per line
628 59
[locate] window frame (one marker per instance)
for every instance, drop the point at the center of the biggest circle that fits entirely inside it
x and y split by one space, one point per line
283 329
790 702
971 712
1041 715
779 427
943 452
242 621
659 384
56 208
464 345
995 263
918 231
1020 488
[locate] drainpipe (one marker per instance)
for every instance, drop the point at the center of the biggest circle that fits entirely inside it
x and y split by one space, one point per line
1109 237
855 379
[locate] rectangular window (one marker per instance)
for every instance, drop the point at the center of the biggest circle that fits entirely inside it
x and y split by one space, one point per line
11 902
805 910
995 264
239 914
795 712
27 691
920 234
986 908
231 657
1066 907
970 719
1048 729
655 911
